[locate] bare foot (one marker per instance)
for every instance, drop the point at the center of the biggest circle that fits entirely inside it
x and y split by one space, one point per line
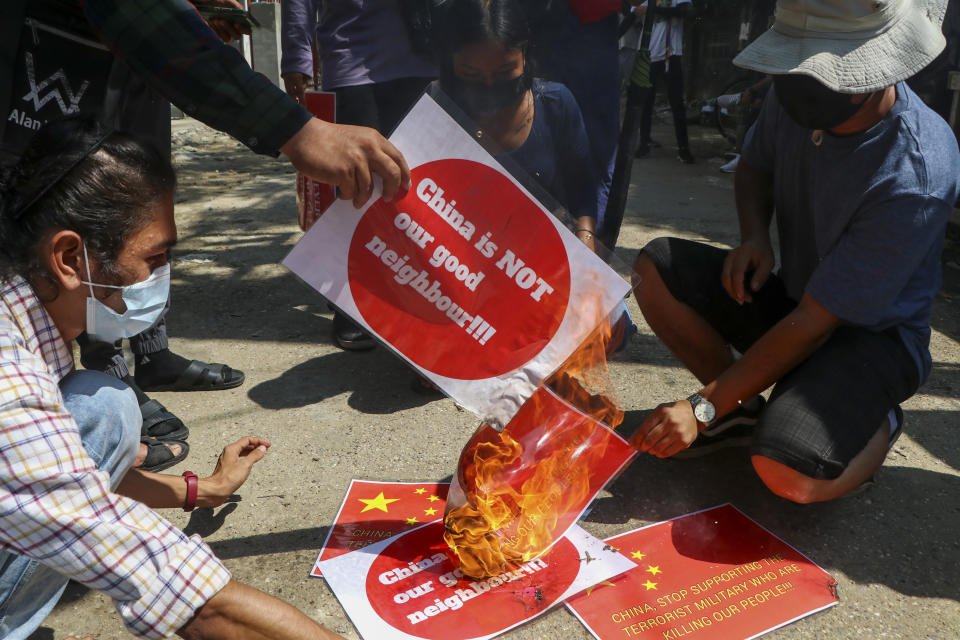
175 449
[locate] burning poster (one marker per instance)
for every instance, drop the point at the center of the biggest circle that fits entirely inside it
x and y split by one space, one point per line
374 511
467 276
711 575
409 587
517 491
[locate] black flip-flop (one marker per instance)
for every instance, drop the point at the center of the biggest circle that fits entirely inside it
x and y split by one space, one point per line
159 456
160 424
201 376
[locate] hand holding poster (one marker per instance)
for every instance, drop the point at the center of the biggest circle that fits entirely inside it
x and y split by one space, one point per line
467 276
711 575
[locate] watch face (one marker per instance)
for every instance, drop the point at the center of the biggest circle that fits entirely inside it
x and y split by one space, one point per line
704 411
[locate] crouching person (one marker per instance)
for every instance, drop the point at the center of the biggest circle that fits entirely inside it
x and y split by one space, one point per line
862 177
86 222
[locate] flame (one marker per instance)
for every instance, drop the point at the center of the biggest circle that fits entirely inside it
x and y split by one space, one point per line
517 483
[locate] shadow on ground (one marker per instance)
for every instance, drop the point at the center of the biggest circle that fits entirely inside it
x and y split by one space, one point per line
378 383
900 533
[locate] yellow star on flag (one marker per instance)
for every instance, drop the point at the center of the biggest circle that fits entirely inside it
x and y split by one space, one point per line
653 569
605 583
638 555
433 498
421 490
650 585
412 520
379 502
431 511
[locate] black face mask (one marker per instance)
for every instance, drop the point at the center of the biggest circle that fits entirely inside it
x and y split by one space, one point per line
812 105
479 99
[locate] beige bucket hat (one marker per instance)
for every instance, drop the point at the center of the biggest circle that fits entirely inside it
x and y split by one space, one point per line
851 46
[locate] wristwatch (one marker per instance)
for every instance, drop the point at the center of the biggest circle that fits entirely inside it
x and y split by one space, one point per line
703 409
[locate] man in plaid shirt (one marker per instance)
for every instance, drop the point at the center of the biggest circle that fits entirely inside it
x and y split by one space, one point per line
84 217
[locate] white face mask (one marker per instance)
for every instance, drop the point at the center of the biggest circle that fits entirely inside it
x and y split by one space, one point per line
145 302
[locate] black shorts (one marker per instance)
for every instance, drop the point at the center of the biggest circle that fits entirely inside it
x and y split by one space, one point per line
824 412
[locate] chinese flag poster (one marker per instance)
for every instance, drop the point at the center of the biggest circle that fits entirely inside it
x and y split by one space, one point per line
710 575
374 511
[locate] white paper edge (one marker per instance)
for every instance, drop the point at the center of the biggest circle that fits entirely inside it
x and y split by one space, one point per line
494 399
577 536
693 513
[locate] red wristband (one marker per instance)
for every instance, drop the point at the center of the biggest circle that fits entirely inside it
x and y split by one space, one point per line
191 502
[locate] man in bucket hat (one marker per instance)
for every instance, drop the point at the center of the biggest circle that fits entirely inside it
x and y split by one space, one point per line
862 177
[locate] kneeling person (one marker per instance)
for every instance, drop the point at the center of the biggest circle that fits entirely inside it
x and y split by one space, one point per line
862 176
86 222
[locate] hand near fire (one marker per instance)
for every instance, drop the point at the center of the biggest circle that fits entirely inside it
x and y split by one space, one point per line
670 428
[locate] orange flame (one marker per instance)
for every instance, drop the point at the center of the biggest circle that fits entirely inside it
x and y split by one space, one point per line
515 490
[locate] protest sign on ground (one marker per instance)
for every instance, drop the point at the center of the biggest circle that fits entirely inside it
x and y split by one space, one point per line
374 511
467 276
408 587
710 575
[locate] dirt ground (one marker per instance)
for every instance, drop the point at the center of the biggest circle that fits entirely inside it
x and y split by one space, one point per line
333 415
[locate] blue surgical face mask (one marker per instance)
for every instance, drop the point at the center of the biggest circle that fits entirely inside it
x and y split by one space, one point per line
145 302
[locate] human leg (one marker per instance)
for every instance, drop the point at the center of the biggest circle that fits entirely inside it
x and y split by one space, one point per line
356 105
826 429
677 286
108 417
674 80
159 369
657 70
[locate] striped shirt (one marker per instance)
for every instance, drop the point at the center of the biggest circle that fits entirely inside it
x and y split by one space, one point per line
57 508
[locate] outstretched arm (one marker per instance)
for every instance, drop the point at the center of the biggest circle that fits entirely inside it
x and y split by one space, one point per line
166 491
174 50
673 427
240 612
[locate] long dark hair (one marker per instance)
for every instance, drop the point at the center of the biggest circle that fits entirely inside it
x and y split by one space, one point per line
465 22
76 175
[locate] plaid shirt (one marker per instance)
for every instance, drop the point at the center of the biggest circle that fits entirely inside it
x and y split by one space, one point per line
171 47
56 507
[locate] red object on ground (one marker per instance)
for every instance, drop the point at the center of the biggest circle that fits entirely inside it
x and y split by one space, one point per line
711 575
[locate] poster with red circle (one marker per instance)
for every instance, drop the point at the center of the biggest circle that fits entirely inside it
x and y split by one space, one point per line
466 275
710 575
409 587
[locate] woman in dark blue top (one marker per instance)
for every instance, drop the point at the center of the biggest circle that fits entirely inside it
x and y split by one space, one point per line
533 127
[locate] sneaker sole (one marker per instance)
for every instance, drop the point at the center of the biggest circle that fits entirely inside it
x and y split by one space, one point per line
712 447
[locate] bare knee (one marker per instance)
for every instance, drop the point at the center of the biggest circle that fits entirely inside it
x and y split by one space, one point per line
647 283
789 483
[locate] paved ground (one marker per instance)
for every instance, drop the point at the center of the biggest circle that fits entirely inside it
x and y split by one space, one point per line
334 416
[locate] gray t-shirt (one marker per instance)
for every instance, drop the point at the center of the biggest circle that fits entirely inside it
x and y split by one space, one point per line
862 218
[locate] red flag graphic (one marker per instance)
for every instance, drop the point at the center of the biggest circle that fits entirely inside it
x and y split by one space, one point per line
374 511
